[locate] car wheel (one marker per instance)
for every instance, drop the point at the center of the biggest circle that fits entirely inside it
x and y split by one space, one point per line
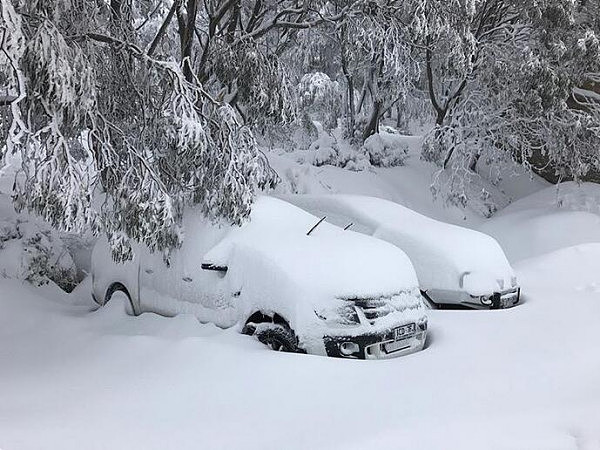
278 337
115 290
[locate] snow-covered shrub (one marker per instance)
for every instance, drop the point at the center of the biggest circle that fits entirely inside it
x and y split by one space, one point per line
354 160
325 156
331 149
305 134
8 232
386 149
432 150
43 265
33 252
346 158
320 95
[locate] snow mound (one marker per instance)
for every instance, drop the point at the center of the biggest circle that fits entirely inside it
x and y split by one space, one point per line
568 195
547 221
386 149
576 267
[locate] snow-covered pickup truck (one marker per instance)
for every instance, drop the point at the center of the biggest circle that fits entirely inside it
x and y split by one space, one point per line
456 267
296 287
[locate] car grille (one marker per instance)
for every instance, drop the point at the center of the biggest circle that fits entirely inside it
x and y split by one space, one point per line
373 308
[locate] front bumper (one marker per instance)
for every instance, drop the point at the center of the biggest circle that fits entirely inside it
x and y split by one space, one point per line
498 300
461 299
375 345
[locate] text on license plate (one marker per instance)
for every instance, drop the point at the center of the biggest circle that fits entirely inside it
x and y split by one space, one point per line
508 300
405 331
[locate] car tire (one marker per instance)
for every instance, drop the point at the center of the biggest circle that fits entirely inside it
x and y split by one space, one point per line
118 287
277 336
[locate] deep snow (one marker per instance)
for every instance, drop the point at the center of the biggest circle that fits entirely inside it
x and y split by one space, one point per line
524 378
548 220
520 379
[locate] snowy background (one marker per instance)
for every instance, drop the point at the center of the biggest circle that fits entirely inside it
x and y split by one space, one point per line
118 116
74 377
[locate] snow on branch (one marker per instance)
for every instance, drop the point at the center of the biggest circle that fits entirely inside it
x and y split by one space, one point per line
97 117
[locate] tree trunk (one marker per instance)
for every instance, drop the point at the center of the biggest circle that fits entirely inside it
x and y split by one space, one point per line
373 125
351 112
350 83
186 37
440 116
401 120
474 161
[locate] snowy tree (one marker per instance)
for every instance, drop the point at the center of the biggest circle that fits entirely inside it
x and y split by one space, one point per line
93 112
235 48
374 50
320 95
500 76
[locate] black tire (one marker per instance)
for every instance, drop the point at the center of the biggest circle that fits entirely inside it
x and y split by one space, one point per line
277 336
118 287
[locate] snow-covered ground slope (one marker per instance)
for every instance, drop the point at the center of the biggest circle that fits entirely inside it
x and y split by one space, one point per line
525 378
304 172
548 220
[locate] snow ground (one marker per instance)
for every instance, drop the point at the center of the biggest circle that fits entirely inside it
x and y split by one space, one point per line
520 379
525 378
547 220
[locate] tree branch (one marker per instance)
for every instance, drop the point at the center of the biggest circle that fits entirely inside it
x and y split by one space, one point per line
163 28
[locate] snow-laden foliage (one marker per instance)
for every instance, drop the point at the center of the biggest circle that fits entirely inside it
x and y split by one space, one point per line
96 115
375 51
33 252
500 78
321 96
257 81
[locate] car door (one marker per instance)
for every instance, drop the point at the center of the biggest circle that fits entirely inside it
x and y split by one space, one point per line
205 292
159 281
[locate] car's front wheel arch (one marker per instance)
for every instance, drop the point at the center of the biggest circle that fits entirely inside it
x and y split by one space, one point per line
119 287
272 330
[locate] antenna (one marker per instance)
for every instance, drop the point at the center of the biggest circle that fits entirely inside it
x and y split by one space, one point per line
316 225
348 226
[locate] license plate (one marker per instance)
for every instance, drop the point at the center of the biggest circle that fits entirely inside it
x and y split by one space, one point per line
508 300
405 331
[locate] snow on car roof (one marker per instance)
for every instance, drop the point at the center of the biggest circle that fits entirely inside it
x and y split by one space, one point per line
330 260
439 251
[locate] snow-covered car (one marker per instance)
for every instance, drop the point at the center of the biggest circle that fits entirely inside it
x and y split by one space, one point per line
296 287
456 267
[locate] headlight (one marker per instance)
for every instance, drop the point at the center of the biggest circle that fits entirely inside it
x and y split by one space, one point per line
341 315
486 300
349 348
513 281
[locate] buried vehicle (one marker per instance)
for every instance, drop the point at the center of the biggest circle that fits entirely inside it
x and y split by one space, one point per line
296 284
457 267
